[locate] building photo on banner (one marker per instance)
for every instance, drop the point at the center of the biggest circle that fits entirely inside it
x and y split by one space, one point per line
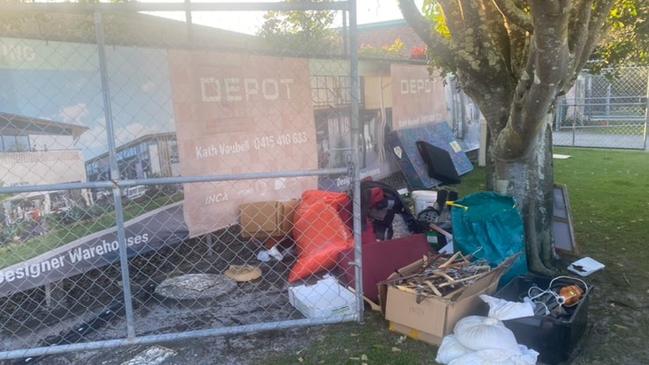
129 120
57 135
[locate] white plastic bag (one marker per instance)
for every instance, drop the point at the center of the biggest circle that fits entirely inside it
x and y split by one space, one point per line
450 349
483 333
503 310
523 356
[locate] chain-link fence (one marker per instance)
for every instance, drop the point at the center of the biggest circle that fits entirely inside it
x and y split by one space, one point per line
465 116
607 110
152 171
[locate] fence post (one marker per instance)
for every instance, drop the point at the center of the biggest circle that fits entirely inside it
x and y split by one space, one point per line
646 121
453 101
345 34
462 114
210 245
114 174
355 84
188 20
574 119
646 116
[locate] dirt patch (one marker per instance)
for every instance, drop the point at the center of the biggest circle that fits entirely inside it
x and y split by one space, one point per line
248 349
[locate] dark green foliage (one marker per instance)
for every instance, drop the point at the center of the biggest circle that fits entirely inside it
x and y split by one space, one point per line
308 32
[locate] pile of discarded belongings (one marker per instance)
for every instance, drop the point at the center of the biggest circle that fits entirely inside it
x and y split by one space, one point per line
451 272
531 318
440 298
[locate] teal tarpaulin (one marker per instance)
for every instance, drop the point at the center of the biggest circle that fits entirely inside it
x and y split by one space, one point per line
490 228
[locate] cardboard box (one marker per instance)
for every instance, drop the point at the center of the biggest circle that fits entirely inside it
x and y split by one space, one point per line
267 219
415 334
434 317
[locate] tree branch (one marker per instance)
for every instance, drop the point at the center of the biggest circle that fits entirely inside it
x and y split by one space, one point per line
519 43
550 64
454 17
424 29
498 36
514 14
579 34
596 27
524 83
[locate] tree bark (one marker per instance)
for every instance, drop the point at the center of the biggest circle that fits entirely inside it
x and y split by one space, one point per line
513 58
530 181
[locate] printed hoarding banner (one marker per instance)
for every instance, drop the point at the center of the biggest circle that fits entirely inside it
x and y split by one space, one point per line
333 131
149 232
58 83
33 54
416 97
240 113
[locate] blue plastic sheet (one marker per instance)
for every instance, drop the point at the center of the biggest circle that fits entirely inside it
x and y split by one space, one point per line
490 228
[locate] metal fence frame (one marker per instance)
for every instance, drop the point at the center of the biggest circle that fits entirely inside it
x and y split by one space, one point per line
348 7
590 102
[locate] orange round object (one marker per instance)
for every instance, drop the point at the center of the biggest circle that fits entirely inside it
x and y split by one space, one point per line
571 294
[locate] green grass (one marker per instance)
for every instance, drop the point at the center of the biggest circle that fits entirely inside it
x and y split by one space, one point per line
609 193
354 344
623 130
59 235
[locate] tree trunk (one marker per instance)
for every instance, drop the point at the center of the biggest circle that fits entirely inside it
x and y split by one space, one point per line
530 181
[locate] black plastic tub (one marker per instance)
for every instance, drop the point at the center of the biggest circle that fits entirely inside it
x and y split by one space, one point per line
554 338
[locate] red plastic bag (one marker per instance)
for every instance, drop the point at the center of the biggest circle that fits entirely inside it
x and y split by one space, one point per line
339 201
320 233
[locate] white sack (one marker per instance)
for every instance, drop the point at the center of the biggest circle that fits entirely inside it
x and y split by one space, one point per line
503 310
483 333
450 349
523 356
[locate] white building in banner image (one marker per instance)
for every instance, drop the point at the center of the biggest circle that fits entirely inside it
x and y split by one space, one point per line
37 151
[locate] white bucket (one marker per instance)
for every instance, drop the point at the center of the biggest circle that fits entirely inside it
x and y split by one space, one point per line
423 199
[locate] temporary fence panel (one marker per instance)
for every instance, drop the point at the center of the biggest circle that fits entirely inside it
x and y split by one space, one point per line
144 161
606 110
465 117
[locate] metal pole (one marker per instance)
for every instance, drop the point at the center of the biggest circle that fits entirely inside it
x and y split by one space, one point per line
608 100
451 84
574 119
114 173
188 20
356 182
134 6
170 180
462 114
210 245
345 34
646 115
170 337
